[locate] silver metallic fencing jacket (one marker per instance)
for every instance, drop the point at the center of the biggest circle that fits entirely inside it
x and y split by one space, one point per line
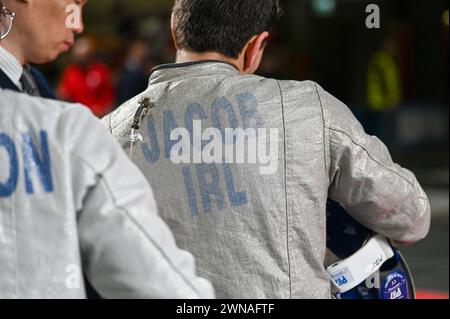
72 202
258 229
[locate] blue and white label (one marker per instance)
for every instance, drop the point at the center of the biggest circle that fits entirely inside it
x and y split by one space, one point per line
395 286
343 277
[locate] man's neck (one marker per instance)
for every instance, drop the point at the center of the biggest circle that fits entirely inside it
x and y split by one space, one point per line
184 56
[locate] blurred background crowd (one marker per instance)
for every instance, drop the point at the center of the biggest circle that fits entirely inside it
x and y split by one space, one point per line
395 79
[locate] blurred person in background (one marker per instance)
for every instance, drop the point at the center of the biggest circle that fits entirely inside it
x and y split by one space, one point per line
133 77
33 42
125 23
384 90
87 80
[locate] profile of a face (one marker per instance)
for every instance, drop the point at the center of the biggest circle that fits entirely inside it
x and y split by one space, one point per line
43 29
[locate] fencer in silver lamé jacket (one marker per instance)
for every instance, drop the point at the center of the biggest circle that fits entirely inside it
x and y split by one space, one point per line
262 234
72 202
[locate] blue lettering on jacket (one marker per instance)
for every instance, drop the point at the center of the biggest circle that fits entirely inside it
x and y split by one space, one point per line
209 187
8 187
152 150
36 160
33 161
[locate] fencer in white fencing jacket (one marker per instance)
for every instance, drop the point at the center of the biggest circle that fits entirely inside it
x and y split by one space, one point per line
257 226
71 202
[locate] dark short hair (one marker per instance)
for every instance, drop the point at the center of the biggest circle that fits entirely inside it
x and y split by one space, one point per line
222 26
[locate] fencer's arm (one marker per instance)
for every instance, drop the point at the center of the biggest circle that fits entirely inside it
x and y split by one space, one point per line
363 177
127 249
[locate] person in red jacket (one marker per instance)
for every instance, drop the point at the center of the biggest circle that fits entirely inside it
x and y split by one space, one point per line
87 80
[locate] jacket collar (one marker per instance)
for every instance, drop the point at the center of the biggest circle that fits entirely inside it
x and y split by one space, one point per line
176 71
10 67
6 83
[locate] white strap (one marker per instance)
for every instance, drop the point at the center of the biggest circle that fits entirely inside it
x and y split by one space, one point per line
350 272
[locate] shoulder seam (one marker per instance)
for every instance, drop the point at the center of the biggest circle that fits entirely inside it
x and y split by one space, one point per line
327 164
285 187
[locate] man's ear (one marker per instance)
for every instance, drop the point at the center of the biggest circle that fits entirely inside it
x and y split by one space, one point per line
173 31
254 52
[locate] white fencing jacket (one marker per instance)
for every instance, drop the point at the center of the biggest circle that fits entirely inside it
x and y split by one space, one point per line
258 230
72 202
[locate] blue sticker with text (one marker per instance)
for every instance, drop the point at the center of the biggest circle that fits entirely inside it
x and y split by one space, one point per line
395 286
